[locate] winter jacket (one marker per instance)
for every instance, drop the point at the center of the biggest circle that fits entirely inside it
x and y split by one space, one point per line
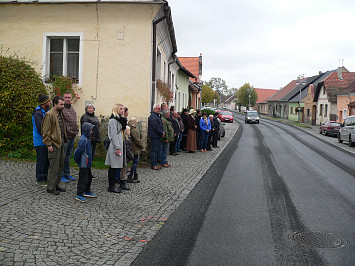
191 122
51 131
168 129
205 126
116 137
155 126
175 125
37 118
137 144
129 151
83 154
216 123
184 119
92 119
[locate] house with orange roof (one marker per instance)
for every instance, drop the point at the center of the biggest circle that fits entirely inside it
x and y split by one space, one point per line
263 95
326 95
194 66
346 102
276 108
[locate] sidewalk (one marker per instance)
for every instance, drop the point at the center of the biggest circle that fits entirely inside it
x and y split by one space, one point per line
38 228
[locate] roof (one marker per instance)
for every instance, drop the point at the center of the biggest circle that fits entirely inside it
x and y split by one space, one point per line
334 85
264 94
285 90
183 69
227 98
192 64
294 95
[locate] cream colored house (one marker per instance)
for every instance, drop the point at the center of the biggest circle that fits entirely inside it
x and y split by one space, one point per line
116 49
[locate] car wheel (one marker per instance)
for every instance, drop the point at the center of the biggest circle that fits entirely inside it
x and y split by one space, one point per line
351 144
339 139
257 122
320 132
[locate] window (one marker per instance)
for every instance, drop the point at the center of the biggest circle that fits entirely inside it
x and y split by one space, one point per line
291 112
323 89
164 70
62 55
325 109
321 110
158 65
308 112
345 113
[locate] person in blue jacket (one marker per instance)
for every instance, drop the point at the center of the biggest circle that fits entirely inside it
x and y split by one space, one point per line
83 157
42 164
205 127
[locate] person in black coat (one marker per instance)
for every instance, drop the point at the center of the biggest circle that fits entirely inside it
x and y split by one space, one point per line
184 118
198 135
210 135
176 127
91 118
215 132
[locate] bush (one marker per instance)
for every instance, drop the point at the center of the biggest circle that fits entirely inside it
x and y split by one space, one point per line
61 85
208 111
20 87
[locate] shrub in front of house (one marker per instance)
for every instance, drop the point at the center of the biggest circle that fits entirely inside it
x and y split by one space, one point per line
20 86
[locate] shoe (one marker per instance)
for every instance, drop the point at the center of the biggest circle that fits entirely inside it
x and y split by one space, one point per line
64 180
155 167
191 152
90 195
129 179
114 190
81 198
60 189
166 165
123 185
70 177
135 179
176 153
42 183
54 192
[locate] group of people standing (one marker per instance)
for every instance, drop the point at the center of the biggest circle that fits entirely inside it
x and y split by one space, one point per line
170 131
55 129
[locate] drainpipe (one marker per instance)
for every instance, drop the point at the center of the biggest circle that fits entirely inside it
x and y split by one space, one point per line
154 59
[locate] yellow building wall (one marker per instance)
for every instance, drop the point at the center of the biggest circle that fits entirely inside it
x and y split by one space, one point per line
124 65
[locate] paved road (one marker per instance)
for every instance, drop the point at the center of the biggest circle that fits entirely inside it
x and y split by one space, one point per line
37 228
271 181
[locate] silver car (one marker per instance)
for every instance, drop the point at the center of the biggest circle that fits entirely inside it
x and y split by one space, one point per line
347 131
251 117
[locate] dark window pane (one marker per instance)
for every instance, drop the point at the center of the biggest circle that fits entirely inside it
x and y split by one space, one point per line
73 66
56 64
56 45
73 45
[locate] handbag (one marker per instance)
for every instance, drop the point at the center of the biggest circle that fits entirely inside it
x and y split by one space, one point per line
107 142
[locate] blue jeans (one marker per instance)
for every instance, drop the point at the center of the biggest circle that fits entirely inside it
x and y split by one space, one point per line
134 165
68 149
164 152
42 164
155 151
204 140
177 146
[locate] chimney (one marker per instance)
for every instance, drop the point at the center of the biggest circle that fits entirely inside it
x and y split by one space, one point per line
340 73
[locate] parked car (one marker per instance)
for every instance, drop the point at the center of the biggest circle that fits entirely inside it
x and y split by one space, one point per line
347 131
251 117
329 128
225 116
222 131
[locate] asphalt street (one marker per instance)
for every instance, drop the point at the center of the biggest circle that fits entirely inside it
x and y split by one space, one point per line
270 184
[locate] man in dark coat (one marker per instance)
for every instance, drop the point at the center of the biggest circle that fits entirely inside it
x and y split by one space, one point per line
210 135
198 135
155 132
176 126
215 132
184 117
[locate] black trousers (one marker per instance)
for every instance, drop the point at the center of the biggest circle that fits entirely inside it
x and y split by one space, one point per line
183 142
172 145
215 138
85 179
209 142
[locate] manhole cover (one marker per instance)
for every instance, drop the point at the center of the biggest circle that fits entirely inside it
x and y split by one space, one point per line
318 240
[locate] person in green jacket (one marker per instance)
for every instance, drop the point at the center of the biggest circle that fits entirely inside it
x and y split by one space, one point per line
168 137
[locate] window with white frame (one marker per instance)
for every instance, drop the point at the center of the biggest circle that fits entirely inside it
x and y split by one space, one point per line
321 110
345 113
325 109
63 55
291 112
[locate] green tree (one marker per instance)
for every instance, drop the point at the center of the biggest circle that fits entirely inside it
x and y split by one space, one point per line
218 84
207 94
243 95
20 87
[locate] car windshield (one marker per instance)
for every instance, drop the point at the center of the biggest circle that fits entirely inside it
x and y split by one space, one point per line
226 113
253 114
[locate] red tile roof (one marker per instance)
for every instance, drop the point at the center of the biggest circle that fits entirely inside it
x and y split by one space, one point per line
334 85
285 90
263 94
191 64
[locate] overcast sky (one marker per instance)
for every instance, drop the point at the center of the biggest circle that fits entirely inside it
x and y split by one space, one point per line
265 42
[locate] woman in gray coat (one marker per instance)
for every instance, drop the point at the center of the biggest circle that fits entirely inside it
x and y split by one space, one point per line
116 153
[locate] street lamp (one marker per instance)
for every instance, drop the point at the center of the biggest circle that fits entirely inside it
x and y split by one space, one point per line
301 81
249 101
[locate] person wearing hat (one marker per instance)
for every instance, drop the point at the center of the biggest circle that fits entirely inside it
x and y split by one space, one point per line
41 149
191 145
